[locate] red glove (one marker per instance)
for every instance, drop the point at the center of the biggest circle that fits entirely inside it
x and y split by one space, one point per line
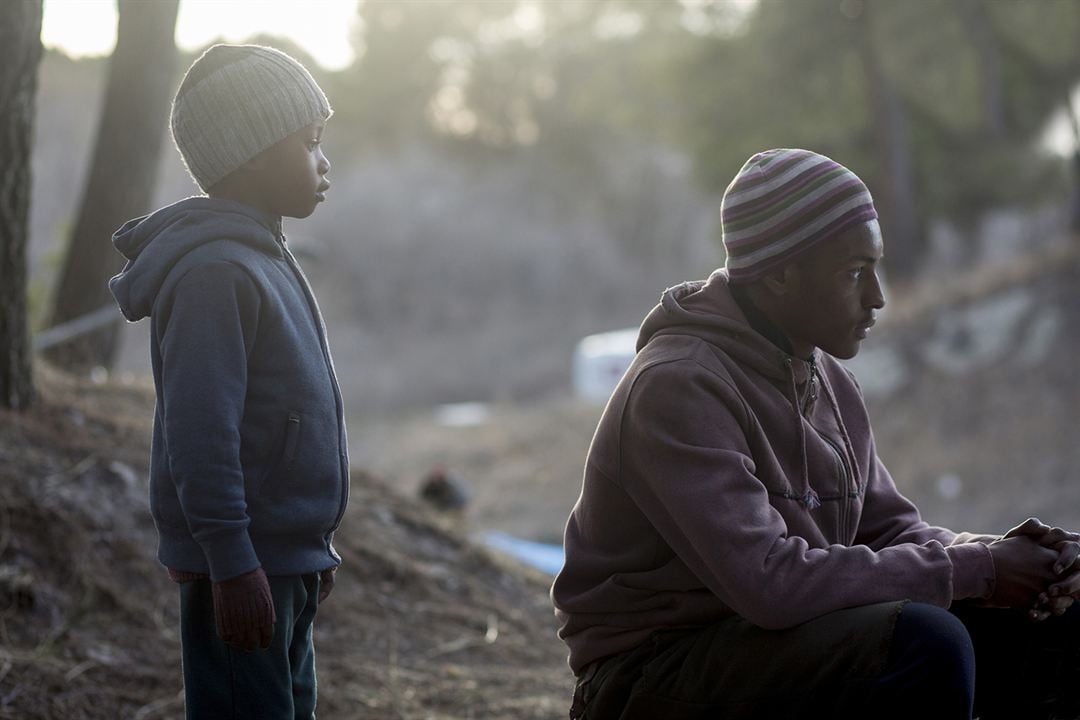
244 610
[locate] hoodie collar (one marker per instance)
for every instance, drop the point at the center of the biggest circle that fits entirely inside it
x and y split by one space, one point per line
155 243
709 310
712 311
135 235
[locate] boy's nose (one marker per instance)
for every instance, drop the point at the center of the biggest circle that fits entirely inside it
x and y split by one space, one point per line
324 165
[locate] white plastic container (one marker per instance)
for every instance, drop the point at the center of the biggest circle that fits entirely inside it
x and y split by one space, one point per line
600 361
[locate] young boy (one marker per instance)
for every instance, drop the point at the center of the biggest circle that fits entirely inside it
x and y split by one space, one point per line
249 468
739 550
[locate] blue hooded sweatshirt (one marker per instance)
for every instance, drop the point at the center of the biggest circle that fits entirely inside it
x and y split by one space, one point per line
249 464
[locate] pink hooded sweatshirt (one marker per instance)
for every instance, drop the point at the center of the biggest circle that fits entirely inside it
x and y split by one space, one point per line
729 478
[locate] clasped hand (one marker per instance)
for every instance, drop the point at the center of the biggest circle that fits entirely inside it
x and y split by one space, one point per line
1037 568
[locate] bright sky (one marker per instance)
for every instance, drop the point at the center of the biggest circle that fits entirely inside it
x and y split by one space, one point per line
322 27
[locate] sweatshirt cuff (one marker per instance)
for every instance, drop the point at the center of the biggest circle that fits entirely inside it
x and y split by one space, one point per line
229 555
973 570
966 537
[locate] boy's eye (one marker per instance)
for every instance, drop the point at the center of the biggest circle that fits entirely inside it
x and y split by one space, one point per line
855 273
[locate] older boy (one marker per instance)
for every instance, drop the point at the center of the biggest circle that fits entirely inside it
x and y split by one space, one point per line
738 550
249 467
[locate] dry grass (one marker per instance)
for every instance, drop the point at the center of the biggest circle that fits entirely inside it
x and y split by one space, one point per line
422 624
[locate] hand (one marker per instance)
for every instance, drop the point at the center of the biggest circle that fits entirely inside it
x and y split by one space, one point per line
1042 533
1024 569
1058 597
326 583
244 611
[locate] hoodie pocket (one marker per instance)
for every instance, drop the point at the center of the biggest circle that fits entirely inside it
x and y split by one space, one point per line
281 455
292 437
301 489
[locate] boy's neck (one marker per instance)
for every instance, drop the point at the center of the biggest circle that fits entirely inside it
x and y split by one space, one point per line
760 321
247 188
250 199
273 219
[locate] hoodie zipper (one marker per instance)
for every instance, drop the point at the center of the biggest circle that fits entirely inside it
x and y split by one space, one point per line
845 474
313 306
845 483
812 388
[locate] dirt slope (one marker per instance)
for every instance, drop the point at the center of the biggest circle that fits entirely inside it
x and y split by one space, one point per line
422 624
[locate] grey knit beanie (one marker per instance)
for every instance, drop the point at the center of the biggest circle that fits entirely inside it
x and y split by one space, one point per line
237 100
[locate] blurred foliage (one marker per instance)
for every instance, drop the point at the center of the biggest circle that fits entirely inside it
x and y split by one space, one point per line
571 85
975 82
513 74
966 86
512 175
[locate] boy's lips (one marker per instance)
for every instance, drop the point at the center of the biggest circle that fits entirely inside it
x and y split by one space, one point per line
320 192
863 328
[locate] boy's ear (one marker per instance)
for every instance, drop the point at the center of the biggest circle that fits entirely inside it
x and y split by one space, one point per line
783 281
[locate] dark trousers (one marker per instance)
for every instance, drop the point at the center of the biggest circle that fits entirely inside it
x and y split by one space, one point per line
222 682
933 663
1024 669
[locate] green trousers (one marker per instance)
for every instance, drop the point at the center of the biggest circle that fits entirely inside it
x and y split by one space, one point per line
223 682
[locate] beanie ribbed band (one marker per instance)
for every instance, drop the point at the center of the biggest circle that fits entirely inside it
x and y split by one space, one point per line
236 101
784 202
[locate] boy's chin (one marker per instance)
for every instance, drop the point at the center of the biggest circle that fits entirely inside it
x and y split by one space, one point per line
300 213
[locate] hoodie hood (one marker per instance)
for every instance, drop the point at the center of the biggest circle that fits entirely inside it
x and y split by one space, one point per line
706 309
154 243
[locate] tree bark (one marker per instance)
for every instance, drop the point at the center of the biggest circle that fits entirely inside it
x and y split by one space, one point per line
20 53
987 47
122 175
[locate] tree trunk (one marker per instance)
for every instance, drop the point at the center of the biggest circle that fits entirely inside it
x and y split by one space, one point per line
20 53
894 186
122 175
991 84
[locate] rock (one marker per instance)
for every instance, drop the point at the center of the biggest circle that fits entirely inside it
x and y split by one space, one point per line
444 490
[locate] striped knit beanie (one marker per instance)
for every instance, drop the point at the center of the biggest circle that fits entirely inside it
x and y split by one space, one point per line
236 101
784 202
